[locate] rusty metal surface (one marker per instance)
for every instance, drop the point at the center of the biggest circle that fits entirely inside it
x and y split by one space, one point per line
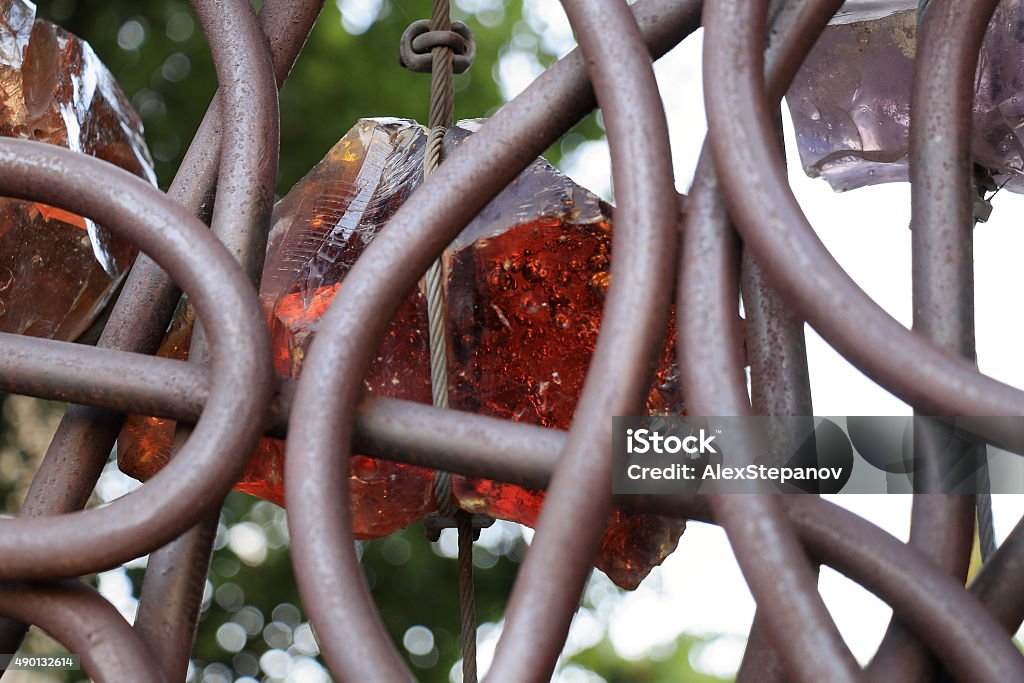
788 277
942 203
87 625
241 369
176 573
777 570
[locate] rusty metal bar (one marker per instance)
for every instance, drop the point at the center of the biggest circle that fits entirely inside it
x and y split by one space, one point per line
144 307
798 265
147 301
749 91
777 357
880 563
775 566
481 446
127 382
775 539
636 312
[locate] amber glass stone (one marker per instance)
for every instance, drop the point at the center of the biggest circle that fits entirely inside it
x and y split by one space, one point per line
57 269
524 288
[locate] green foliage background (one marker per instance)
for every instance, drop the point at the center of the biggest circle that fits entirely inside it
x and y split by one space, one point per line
338 79
157 52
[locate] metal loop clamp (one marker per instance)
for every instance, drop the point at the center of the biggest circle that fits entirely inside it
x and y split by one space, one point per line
418 41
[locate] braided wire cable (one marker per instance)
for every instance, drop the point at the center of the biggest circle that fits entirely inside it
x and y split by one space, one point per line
467 597
986 523
442 105
434 293
442 89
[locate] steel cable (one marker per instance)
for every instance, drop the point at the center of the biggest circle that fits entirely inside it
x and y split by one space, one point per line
442 105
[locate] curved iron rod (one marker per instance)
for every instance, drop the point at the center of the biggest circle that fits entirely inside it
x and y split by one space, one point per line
777 571
949 635
140 317
249 129
961 631
984 651
997 584
636 313
88 625
175 578
743 136
80 447
801 268
777 356
942 211
316 463
39 548
779 385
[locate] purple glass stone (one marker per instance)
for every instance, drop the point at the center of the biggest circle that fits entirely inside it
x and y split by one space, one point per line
850 101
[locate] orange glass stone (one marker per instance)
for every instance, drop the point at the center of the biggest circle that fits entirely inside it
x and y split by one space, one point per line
524 282
57 269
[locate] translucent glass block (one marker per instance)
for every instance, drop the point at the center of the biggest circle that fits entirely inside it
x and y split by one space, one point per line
524 287
57 269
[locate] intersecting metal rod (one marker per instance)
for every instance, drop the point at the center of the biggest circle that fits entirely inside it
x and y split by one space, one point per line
480 446
776 568
87 625
941 174
161 387
748 132
175 578
86 434
777 356
636 312
39 548
799 266
147 301
768 534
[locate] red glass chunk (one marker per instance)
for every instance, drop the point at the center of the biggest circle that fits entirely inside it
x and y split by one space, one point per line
525 284
57 269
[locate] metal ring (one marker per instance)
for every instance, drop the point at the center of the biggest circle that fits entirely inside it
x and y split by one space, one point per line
418 41
83 542
425 42
111 650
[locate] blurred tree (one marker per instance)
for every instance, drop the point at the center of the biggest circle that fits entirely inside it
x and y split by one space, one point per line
348 70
